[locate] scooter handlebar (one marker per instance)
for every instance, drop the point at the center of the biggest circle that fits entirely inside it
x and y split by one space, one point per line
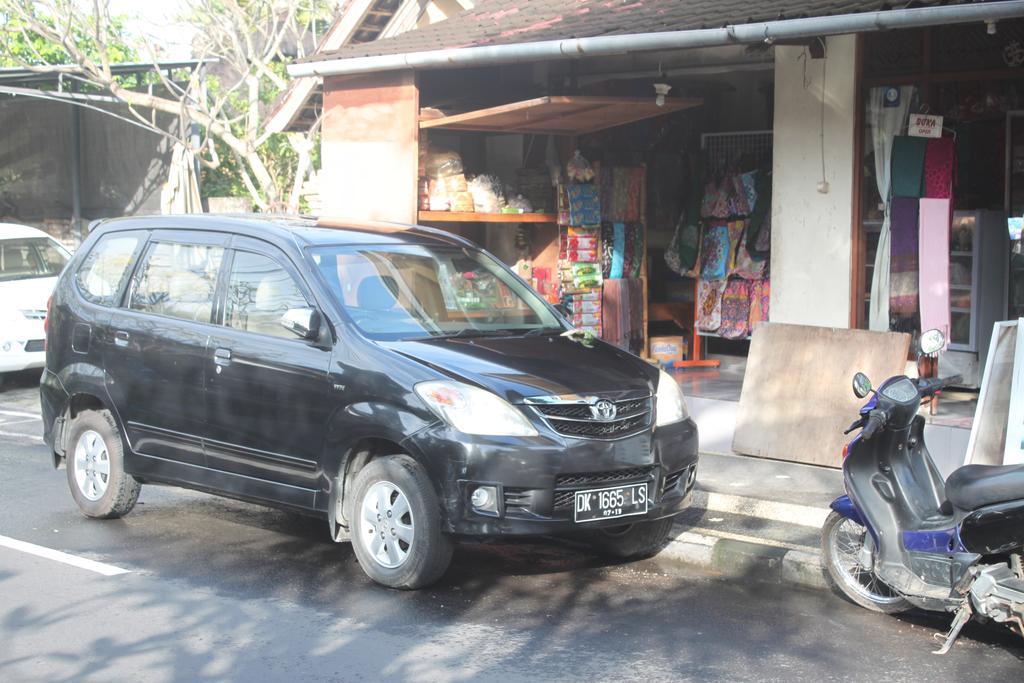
927 387
876 420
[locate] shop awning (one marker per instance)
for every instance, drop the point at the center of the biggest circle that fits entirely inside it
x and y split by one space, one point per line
560 115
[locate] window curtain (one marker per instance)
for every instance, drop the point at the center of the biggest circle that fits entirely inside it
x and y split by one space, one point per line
887 118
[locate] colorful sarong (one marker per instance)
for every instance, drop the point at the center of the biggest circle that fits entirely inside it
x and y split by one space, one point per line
903 266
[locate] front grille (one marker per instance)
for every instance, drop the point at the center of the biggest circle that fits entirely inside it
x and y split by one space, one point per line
576 419
581 411
34 313
601 430
566 485
34 346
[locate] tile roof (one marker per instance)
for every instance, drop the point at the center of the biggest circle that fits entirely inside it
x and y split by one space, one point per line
498 22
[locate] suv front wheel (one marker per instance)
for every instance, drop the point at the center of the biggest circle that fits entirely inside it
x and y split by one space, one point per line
95 466
397 524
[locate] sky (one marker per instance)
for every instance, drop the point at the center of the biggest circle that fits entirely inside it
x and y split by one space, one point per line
158 21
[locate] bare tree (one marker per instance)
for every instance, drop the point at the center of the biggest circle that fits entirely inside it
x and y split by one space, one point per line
250 41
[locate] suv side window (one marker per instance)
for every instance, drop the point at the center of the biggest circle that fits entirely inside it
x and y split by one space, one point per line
105 268
259 293
177 280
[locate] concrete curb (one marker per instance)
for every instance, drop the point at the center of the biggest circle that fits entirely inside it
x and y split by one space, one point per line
731 558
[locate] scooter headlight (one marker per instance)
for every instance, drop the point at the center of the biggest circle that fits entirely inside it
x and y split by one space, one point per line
671 406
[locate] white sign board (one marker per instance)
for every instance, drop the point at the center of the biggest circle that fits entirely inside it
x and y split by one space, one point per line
998 428
925 126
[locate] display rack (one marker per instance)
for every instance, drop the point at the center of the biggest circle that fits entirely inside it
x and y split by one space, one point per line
753 147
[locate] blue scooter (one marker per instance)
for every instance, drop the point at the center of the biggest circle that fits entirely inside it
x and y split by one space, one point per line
902 537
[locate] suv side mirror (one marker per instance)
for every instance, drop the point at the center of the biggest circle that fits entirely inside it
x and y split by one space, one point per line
861 385
302 322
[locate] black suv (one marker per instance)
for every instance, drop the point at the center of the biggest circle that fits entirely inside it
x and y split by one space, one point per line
397 381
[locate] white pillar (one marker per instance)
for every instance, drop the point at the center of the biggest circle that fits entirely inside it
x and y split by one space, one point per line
811 258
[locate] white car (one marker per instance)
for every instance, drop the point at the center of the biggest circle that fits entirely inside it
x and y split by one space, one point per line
30 261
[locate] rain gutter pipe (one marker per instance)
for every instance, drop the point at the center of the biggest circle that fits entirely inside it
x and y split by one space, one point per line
763 32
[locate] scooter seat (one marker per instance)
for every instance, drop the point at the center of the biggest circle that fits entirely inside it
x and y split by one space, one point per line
975 486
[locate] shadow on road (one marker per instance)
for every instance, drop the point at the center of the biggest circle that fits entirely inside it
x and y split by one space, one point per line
273 588
25 379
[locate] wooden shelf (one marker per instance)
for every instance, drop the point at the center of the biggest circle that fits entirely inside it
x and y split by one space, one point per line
467 217
560 115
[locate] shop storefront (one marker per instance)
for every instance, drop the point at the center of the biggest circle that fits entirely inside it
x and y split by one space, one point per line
734 181
942 200
641 216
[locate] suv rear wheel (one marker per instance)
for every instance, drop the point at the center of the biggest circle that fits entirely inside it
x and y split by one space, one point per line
397 524
95 467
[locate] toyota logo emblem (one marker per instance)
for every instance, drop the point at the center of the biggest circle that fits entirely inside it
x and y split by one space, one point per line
603 410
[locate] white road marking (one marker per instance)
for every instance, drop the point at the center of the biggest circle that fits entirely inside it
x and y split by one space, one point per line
33 437
58 556
21 421
17 413
801 515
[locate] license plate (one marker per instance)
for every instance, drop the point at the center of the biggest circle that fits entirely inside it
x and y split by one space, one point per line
610 503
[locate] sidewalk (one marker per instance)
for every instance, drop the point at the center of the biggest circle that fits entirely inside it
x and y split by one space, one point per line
756 519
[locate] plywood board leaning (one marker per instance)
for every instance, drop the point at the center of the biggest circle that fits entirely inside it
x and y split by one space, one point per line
796 398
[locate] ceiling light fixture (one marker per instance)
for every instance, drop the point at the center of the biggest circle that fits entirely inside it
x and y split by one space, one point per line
661 89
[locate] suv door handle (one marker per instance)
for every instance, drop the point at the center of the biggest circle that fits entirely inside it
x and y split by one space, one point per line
120 338
222 357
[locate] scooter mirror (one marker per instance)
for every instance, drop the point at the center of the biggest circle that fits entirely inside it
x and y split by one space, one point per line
932 341
861 385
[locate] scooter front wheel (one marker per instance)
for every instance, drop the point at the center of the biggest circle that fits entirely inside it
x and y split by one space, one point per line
847 550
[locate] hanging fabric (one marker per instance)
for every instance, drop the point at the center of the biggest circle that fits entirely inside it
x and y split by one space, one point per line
939 166
735 310
709 304
741 204
749 181
934 260
759 227
618 250
607 248
635 235
635 189
716 200
736 229
745 266
760 293
683 250
715 253
614 313
622 309
908 166
887 116
903 277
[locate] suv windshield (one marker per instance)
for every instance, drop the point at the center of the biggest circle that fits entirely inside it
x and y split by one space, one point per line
24 258
418 291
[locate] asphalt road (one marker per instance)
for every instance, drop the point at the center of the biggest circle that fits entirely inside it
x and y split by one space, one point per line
221 590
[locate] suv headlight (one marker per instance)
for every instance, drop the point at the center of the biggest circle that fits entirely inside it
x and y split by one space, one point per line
670 405
474 411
